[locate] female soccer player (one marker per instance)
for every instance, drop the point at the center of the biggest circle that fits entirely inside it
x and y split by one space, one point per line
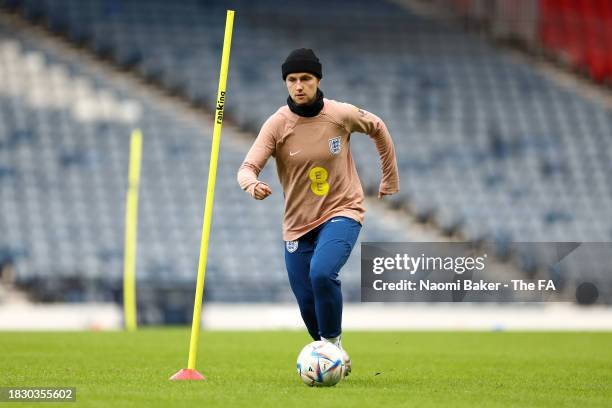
309 138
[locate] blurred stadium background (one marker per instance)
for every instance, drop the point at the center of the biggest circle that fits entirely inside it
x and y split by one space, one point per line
500 112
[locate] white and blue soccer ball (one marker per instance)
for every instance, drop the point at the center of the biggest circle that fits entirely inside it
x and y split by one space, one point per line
320 364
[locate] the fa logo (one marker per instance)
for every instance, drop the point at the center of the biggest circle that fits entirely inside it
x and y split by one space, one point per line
335 144
291 246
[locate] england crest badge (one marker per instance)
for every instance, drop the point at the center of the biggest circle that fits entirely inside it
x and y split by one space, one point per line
292 246
335 144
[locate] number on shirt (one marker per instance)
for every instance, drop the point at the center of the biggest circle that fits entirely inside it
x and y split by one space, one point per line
319 185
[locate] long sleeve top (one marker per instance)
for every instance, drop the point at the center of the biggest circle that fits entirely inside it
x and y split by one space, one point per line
315 166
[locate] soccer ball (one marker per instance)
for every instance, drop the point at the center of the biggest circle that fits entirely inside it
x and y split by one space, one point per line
320 364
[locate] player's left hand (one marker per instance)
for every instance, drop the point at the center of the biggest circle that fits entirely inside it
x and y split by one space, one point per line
381 195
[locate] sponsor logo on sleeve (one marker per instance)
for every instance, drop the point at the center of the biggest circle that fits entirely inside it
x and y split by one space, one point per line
362 112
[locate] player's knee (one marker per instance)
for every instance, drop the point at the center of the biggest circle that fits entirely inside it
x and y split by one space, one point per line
323 276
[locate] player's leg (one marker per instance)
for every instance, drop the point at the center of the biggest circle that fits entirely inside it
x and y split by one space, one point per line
334 244
298 255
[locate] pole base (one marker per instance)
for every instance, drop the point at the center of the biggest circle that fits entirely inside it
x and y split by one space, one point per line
187 374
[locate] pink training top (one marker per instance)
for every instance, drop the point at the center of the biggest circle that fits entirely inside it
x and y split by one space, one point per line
315 166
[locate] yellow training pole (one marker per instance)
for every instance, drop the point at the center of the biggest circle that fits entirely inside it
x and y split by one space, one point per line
190 373
131 225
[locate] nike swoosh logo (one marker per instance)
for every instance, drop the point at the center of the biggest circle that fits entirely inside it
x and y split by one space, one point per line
336 220
294 153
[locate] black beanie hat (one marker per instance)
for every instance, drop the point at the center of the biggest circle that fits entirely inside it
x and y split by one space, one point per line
302 60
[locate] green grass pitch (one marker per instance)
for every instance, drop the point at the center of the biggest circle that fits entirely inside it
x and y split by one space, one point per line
257 369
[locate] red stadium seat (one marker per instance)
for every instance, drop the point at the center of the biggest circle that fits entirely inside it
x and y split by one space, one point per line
581 32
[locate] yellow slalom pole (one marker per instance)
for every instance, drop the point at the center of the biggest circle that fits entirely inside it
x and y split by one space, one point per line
131 232
190 373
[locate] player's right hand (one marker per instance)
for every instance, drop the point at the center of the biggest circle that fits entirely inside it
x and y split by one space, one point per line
261 191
